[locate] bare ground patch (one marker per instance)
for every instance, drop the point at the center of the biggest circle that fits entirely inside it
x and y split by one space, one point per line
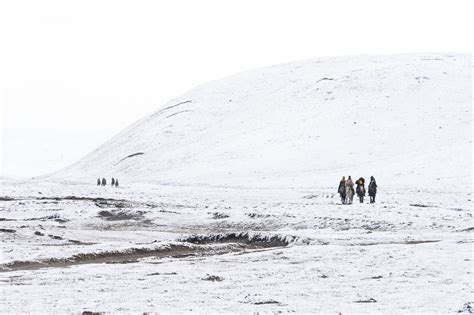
196 245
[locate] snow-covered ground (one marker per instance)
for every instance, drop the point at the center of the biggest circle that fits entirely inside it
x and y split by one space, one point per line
228 199
410 252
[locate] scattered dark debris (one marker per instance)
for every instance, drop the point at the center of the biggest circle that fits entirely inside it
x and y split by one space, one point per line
6 198
256 215
242 238
371 300
218 215
80 242
415 242
370 228
469 229
7 230
431 58
5 219
168 211
421 78
102 202
55 237
147 222
117 215
54 202
49 217
162 274
213 278
61 220
375 278
467 308
92 313
407 242
114 204
323 276
38 233
120 262
419 205
267 302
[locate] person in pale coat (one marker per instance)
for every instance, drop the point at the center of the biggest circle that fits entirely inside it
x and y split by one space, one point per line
349 190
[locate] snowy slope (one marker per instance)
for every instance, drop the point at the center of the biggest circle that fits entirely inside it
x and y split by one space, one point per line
404 119
204 219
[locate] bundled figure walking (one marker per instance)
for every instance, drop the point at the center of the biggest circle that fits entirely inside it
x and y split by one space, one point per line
342 189
360 189
349 190
104 182
372 189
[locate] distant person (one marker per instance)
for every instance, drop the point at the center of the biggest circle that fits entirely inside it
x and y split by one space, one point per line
113 182
98 181
360 189
349 190
104 182
116 183
372 189
342 189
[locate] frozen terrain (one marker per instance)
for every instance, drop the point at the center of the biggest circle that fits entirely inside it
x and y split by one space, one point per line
305 123
228 199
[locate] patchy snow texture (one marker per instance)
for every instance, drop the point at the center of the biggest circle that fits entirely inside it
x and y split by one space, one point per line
268 250
228 200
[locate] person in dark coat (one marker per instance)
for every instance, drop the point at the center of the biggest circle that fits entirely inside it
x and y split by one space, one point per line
360 189
98 181
372 189
104 182
113 182
342 189
116 183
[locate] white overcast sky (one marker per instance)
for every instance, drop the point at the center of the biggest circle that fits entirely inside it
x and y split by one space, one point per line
74 73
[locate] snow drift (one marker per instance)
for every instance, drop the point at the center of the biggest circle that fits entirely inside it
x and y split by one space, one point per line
405 119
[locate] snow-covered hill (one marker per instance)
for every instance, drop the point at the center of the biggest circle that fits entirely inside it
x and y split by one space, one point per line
200 232
405 119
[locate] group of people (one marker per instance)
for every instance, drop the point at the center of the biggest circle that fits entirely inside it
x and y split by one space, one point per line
346 189
103 182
